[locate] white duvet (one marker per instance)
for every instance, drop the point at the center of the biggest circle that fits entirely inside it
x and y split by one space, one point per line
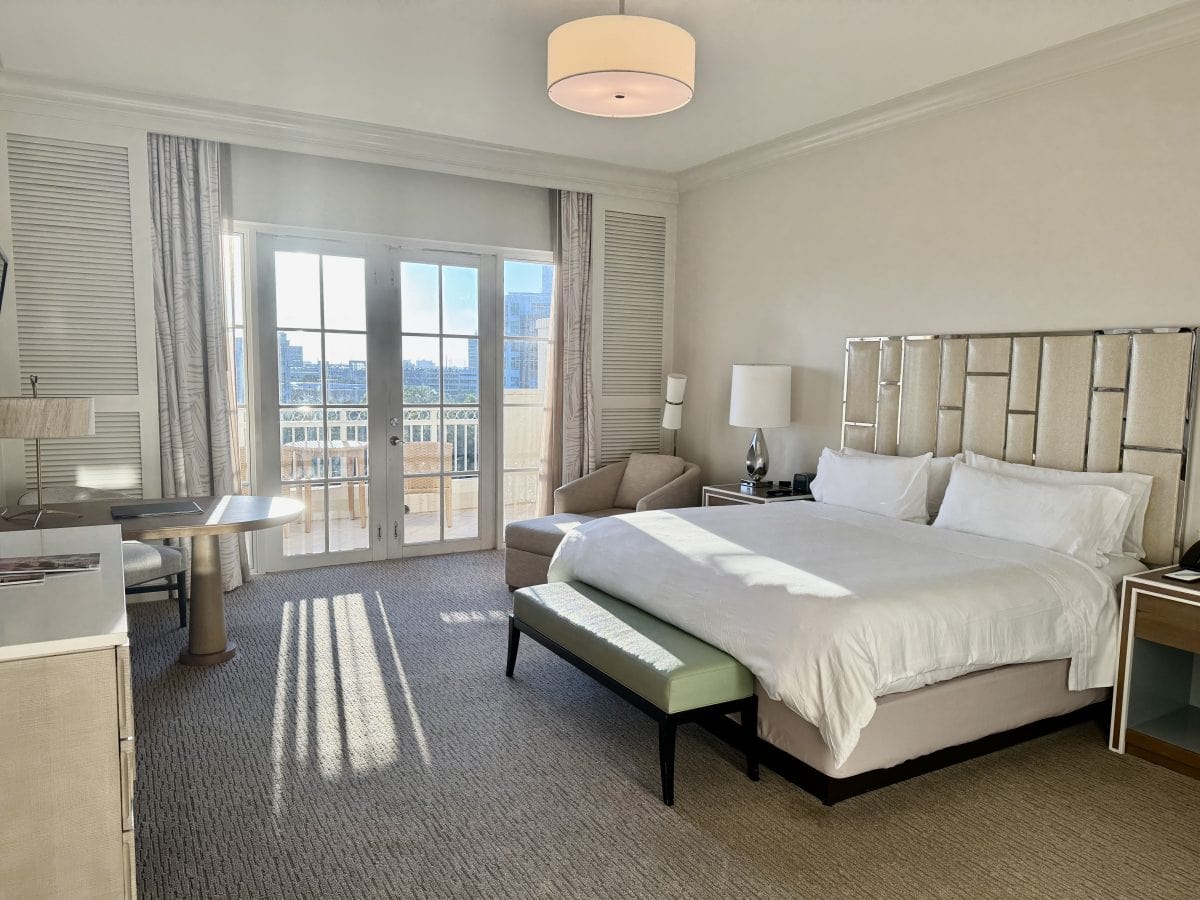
831 607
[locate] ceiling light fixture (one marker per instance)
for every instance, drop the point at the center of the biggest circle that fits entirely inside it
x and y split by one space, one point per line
620 66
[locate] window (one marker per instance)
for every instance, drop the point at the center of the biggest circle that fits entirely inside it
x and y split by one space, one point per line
234 261
528 297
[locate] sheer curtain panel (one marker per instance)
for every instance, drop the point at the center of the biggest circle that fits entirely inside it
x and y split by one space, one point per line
197 444
575 300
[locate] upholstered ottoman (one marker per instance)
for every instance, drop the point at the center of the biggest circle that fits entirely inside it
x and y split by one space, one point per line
669 674
644 481
530 544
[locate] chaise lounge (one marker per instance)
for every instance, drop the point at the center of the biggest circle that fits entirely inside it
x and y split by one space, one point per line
644 481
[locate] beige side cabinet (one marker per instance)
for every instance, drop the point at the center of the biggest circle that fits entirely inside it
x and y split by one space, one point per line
66 724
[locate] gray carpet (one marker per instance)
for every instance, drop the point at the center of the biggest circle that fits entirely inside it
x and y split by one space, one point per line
365 743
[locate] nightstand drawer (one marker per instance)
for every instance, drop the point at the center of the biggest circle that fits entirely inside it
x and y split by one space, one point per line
1171 622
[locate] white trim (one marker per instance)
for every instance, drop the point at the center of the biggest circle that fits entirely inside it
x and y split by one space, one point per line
1170 28
64 645
392 241
145 401
602 204
12 452
258 126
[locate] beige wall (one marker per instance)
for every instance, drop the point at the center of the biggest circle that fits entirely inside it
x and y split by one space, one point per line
1075 205
321 192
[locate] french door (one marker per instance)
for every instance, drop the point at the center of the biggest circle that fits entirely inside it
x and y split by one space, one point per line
378 399
441 403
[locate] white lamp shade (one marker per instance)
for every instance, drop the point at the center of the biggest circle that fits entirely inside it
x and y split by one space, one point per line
620 66
761 396
672 416
47 417
676 385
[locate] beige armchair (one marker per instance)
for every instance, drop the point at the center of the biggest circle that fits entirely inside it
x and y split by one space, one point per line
645 481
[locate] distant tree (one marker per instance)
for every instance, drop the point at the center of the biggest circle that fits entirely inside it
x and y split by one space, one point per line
420 393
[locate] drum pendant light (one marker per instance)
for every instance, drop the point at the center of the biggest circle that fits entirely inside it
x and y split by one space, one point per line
620 66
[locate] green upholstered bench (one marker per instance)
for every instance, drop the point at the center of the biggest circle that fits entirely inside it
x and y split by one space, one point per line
667 673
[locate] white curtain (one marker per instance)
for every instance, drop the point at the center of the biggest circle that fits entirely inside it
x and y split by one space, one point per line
574 296
197 445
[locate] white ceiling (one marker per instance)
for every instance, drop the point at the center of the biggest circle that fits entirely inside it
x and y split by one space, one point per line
476 68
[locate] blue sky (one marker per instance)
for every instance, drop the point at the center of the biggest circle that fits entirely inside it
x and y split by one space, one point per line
522 277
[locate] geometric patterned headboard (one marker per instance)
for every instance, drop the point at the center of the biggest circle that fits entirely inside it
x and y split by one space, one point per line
1102 401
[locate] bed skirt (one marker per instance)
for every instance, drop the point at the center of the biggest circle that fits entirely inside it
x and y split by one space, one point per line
915 723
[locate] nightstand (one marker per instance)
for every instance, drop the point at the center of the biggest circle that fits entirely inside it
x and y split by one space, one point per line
1156 701
733 495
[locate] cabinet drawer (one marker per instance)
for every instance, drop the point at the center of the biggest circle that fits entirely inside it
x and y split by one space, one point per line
124 693
128 776
1170 622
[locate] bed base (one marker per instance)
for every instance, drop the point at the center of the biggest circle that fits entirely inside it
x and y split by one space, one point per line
831 790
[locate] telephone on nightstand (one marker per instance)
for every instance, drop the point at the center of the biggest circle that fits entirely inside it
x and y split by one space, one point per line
802 482
1189 570
1191 557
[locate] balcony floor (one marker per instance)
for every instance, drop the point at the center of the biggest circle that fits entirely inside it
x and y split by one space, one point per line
349 534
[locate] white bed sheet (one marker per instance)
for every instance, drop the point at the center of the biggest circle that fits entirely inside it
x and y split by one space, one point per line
832 607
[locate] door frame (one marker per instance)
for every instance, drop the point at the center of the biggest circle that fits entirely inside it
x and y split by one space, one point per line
268 452
262 368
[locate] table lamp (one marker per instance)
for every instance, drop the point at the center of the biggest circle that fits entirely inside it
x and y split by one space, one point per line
760 397
672 419
45 417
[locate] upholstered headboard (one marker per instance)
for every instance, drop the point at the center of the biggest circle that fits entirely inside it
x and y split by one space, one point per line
1102 401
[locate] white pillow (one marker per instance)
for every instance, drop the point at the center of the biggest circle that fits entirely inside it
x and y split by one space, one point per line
1138 486
1075 519
940 468
893 486
939 478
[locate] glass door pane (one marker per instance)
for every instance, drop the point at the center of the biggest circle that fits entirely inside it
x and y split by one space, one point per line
321 343
440 423
528 296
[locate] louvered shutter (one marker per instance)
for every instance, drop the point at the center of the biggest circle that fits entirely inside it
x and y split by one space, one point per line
632 333
74 286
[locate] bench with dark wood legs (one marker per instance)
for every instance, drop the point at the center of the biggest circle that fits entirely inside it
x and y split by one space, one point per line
667 673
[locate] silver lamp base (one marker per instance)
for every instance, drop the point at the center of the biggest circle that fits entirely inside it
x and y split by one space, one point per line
757 459
38 513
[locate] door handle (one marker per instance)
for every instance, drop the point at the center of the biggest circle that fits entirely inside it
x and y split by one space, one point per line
396 530
394 440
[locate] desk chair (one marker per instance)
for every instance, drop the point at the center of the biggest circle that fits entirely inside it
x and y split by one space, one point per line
143 564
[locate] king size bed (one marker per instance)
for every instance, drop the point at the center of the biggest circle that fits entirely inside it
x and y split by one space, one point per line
883 647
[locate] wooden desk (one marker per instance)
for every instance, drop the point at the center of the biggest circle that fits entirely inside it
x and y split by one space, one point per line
208 641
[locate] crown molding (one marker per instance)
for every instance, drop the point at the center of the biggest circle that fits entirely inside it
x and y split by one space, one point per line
344 138
1173 27
259 126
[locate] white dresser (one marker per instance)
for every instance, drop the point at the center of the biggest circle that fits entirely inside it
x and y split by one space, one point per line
66 724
